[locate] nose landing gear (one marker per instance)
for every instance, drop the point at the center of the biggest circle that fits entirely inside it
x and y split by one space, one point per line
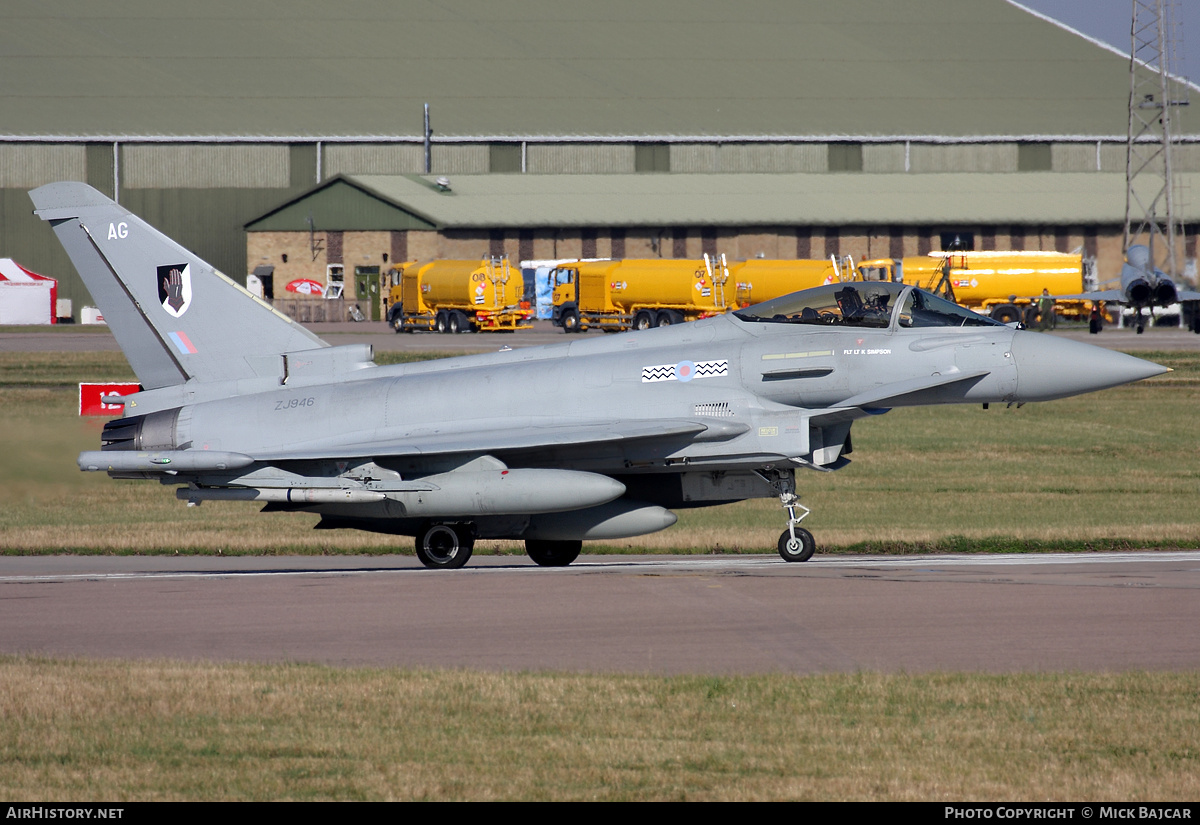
795 543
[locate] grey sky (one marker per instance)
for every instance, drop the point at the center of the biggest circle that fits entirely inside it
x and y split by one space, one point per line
1108 20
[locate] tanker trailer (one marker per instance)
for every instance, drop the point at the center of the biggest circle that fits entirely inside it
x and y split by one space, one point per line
458 296
638 293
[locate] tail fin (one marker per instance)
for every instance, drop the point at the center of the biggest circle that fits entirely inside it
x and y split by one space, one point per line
175 317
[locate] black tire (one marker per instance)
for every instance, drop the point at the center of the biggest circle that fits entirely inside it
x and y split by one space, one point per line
440 322
668 318
800 549
553 553
457 322
445 546
643 320
1006 313
570 321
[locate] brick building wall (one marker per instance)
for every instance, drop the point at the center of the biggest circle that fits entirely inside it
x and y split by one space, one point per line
309 258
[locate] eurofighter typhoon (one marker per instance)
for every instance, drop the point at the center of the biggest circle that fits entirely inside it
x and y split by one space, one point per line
595 439
1143 287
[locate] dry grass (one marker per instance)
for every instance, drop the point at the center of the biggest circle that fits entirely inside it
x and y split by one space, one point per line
63 369
126 731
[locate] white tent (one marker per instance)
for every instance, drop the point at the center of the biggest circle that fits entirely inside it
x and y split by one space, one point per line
25 297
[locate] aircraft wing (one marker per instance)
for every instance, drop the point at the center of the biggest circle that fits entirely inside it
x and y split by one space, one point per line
524 435
1111 296
501 436
1116 296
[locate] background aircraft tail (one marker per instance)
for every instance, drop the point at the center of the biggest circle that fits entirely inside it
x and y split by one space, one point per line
174 316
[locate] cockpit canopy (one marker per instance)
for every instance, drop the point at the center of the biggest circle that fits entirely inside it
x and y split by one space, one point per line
864 304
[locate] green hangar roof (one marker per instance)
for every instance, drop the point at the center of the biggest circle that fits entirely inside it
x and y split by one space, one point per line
376 202
158 69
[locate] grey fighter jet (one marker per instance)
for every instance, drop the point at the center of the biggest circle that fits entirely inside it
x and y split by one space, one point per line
1143 286
594 439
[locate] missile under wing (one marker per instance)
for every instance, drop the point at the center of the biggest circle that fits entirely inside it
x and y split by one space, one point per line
599 438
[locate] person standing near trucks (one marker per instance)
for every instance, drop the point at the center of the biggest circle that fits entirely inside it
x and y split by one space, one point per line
1045 311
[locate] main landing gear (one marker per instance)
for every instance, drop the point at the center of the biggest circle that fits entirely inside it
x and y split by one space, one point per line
448 547
795 543
445 546
546 553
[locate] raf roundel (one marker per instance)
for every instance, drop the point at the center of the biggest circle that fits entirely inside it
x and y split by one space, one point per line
684 371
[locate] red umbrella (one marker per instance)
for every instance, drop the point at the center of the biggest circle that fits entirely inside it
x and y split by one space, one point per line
305 286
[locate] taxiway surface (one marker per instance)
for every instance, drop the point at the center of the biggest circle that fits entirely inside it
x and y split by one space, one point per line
645 614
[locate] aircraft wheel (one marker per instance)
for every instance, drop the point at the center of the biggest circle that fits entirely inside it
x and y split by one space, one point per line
643 320
1141 328
440 322
444 546
553 553
800 548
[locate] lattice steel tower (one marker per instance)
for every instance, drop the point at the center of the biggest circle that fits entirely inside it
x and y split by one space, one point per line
1154 96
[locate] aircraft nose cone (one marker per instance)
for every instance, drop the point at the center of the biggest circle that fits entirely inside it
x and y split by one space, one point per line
1050 367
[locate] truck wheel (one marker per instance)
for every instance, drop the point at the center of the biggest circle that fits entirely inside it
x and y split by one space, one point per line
570 321
457 323
440 321
668 318
1006 313
643 320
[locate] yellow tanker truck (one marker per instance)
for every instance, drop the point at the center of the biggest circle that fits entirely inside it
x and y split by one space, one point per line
637 294
759 280
643 293
1004 285
458 296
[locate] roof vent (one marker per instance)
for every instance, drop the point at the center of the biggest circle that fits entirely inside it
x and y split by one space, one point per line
443 184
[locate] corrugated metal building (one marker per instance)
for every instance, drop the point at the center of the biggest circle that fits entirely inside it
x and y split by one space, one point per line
889 123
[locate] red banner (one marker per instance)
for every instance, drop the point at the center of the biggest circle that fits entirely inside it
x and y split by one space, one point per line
90 395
